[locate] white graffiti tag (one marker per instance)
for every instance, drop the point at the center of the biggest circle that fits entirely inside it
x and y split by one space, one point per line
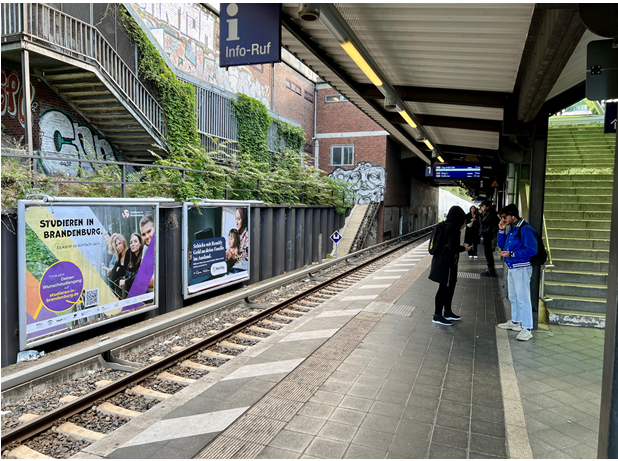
61 135
369 181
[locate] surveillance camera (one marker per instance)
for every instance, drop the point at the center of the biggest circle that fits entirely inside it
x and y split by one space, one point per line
308 12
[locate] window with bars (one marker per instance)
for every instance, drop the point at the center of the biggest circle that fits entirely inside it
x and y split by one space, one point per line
342 155
335 98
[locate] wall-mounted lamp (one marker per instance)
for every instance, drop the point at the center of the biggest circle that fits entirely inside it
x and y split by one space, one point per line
440 159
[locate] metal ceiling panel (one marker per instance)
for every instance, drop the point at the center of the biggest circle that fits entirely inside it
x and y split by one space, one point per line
447 110
467 138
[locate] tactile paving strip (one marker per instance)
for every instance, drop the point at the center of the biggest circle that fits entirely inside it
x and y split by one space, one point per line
249 435
400 309
468 275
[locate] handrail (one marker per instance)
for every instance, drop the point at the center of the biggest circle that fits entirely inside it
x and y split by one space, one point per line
68 35
545 266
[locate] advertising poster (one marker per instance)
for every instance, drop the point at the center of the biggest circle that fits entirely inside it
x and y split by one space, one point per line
217 247
84 264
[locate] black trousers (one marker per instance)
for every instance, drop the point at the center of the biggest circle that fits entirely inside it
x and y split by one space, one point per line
444 296
488 239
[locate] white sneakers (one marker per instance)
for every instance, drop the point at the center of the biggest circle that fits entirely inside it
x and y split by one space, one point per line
510 325
524 335
476 257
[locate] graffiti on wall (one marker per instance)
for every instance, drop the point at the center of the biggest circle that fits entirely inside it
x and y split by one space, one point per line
369 181
187 33
62 135
12 99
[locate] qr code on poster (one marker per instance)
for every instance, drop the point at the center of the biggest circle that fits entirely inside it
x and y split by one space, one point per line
91 297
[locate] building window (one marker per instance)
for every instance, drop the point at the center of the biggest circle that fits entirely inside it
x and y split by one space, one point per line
335 98
293 86
258 67
309 96
342 155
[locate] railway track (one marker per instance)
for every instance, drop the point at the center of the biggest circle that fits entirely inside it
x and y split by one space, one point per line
82 420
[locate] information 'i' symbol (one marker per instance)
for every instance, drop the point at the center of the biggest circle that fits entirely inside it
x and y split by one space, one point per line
232 24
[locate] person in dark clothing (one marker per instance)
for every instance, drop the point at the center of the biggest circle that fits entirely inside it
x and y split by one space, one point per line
489 228
445 262
473 231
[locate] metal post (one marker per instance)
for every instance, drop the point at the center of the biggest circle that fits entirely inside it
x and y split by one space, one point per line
266 244
258 189
308 236
254 241
226 189
290 238
315 256
608 423
537 193
124 180
25 72
279 241
300 237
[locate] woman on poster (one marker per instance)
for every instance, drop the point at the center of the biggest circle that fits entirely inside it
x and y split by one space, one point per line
122 262
243 232
135 260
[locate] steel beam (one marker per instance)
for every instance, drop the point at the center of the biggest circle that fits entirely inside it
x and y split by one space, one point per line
266 244
25 73
331 229
278 241
315 257
299 257
324 230
451 122
290 238
254 245
449 149
9 324
308 250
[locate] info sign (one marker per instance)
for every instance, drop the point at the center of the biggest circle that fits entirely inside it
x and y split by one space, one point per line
250 33
216 246
611 112
82 264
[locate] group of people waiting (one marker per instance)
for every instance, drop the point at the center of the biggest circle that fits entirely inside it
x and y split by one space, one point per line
482 222
518 246
127 257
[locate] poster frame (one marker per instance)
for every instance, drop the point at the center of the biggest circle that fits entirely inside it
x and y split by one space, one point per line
205 203
21 259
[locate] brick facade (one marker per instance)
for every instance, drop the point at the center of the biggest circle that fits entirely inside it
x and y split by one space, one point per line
341 117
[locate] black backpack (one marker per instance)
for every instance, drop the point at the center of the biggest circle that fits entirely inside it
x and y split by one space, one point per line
541 255
433 248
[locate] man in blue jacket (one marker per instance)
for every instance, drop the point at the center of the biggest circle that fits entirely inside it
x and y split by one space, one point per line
518 245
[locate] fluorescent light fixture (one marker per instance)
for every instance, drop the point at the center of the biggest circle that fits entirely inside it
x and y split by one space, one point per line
441 159
361 63
428 143
408 119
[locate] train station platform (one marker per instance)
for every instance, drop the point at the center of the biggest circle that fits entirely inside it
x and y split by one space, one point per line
368 375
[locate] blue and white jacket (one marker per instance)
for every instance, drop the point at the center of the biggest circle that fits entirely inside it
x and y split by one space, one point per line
521 249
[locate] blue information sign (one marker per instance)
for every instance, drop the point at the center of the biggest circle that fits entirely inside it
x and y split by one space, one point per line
250 33
336 236
611 112
457 171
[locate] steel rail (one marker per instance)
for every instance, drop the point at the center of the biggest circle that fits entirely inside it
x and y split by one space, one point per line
47 420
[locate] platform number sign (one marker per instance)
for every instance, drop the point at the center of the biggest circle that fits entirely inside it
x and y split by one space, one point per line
610 117
336 237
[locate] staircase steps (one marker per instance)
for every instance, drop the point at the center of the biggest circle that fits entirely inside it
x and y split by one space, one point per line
578 204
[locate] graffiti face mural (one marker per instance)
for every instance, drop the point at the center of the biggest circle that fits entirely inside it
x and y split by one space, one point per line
61 135
12 101
369 181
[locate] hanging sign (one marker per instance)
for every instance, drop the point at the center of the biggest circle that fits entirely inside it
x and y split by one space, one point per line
250 33
84 264
494 184
610 117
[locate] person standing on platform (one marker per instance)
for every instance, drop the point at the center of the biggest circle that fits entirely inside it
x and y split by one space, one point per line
445 248
473 232
519 245
489 224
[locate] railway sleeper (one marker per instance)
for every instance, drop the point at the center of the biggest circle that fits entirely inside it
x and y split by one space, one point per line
196 340
79 433
197 366
170 378
149 393
296 309
231 345
277 325
292 313
69 398
156 358
249 337
27 417
217 355
262 330
109 409
24 452
285 318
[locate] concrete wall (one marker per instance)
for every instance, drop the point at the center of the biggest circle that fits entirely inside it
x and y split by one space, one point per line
424 202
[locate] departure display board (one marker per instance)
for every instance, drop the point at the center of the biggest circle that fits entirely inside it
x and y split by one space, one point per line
457 172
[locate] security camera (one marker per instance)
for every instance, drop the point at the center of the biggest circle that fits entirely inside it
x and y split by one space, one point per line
309 12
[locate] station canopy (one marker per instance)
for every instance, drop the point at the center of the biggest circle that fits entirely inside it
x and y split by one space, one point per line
451 82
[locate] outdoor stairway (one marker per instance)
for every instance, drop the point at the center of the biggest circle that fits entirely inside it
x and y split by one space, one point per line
578 202
351 227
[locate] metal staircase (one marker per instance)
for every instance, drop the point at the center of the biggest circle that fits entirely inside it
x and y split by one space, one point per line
78 63
363 230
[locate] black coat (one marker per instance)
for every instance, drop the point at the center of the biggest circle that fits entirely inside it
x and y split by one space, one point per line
446 242
489 222
473 233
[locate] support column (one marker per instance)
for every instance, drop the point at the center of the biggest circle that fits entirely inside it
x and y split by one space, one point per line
25 74
324 230
537 195
170 258
608 424
308 236
279 241
331 229
266 244
299 235
290 238
315 234
10 300
254 245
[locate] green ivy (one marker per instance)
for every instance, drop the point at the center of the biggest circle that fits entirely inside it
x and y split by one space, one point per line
294 136
253 125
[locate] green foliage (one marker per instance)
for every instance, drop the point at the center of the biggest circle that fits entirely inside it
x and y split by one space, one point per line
253 125
38 257
459 192
294 136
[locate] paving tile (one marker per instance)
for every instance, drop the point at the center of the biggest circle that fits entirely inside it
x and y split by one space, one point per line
429 392
458 386
460 423
476 455
490 445
437 451
422 402
359 452
347 416
326 398
487 401
305 424
370 381
356 403
292 441
398 383
450 437
316 410
359 390
581 451
555 438
406 448
579 433
373 439
392 396
414 430
380 423
429 381
277 453
454 408
327 448
337 431
393 410
488 414
421 415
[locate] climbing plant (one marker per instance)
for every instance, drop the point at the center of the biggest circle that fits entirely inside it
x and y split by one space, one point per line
253 125
294 136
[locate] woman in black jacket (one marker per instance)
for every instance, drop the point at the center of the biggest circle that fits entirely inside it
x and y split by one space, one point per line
473 231
444 263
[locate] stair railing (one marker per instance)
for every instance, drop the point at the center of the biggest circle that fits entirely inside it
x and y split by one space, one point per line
545 266
363 230
62 33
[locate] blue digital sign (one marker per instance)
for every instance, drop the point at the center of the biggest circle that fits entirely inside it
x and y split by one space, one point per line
611 111
457 172
250 34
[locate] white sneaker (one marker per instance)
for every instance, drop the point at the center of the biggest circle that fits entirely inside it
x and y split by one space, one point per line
475 257
524 335
470 257
510 325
